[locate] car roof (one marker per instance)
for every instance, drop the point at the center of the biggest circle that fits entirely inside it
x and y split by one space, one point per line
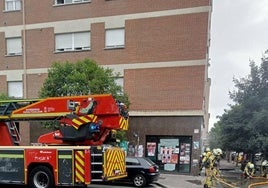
144 159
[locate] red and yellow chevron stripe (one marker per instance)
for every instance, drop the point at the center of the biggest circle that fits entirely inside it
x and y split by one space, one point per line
123 123
115 161
77 122
79 166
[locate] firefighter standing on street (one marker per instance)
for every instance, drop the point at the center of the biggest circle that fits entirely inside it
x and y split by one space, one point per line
211 163
201 164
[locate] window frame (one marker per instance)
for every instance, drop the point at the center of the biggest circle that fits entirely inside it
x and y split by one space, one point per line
71 47
8 47
111 33
18 89
15 6
65 2
132 162
119 80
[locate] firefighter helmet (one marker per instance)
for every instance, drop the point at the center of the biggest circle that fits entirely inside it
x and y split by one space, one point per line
217 151
264 163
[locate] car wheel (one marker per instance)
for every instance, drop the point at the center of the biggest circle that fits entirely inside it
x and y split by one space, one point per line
139 180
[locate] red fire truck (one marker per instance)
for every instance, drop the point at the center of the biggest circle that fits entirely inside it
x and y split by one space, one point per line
77 153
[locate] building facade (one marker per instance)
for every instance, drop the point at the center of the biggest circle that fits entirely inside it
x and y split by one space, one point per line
160 48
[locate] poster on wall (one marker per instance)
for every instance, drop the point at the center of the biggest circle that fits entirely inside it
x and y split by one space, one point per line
168 156
151 147
196 145
185 153
139 151
174 158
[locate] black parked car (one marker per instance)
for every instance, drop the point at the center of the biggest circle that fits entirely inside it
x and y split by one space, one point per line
141 171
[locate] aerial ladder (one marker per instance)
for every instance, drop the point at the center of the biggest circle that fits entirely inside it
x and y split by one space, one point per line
80 146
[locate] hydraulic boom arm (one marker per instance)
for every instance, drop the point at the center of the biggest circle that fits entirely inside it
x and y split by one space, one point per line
83 120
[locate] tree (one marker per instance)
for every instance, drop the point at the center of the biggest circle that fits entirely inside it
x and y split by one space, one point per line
81 78
244 126
214 136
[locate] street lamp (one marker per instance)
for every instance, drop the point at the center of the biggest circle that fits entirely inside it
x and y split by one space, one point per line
138 143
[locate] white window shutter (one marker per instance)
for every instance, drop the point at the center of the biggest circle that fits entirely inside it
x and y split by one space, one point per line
63 41
82 40
15 89
115 37
14 46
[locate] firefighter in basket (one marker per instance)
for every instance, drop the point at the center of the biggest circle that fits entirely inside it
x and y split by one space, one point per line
211 164
249 170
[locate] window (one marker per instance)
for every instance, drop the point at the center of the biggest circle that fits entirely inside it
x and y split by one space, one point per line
12 5
120 82
63 2
14 46
15 89
72 41
132 161
115 38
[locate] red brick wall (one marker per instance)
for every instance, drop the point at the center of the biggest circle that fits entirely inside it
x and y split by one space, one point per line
3 84
35 9
34 83
10 18
24 129
169 38
174 88
147 40
40 47
154 39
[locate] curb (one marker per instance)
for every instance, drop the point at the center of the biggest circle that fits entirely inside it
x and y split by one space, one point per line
160 185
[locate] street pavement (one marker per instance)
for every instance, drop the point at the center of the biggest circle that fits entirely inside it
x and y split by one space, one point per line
188 181
231 174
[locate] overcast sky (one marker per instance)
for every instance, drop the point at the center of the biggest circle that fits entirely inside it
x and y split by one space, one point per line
239 33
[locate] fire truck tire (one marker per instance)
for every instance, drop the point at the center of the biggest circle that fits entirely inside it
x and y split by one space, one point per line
139 180
41 177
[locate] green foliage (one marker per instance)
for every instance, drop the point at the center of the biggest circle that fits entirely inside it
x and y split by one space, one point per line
81 78
214 136
121 135
244 126
5 97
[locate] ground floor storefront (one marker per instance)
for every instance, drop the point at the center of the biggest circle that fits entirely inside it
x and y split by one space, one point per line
174 143
171 153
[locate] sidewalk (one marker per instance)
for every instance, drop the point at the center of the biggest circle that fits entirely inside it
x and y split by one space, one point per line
179 181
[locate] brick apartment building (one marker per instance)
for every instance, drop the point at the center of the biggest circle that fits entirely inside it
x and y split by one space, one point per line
160 48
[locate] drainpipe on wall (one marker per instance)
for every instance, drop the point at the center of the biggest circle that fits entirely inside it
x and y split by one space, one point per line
24 51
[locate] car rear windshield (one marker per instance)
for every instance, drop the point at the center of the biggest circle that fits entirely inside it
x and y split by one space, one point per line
132 161
150 162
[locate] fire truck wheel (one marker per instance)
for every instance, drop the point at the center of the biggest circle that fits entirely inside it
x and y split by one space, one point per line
139 180
41 177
